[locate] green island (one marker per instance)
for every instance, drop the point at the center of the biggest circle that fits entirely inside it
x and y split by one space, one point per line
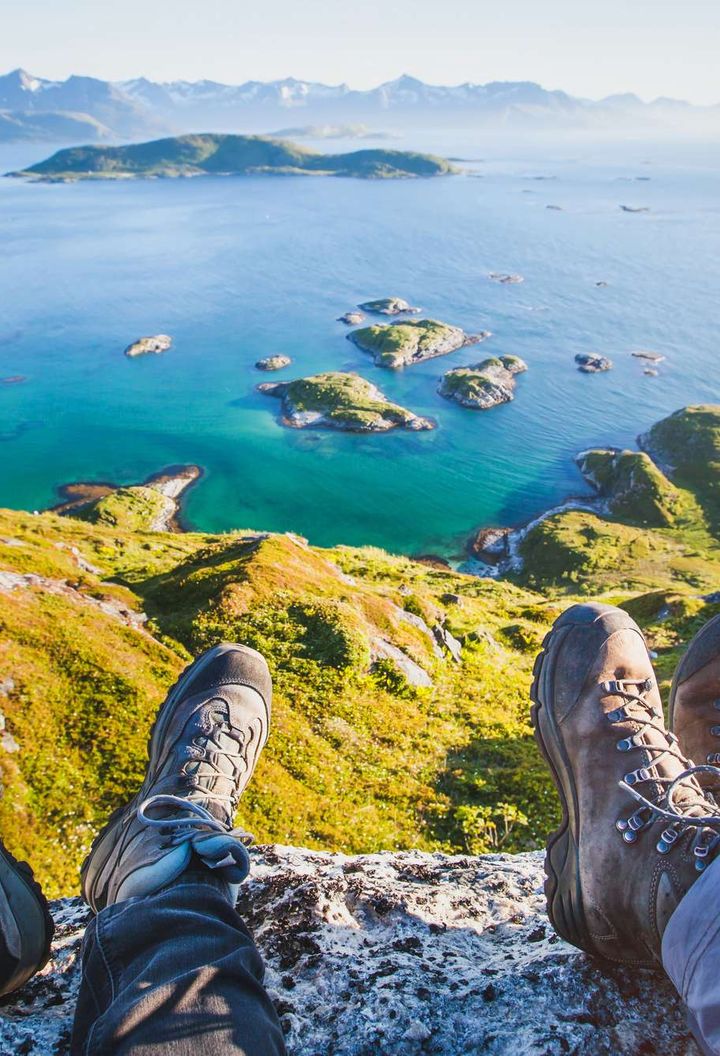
483 385
338 400
401 686
228 155
397 345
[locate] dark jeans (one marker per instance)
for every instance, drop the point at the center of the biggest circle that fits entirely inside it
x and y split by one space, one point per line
174 974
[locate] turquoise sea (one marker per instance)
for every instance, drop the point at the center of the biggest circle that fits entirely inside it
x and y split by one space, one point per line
235 269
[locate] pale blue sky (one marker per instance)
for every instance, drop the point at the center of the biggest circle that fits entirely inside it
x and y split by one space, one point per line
588 47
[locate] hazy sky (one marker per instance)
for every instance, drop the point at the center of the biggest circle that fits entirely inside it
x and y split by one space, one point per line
588 47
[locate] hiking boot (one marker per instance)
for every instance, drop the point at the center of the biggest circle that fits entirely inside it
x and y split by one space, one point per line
695 696
637 828
26 927
205 743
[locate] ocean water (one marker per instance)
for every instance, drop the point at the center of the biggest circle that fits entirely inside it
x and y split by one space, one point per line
235 269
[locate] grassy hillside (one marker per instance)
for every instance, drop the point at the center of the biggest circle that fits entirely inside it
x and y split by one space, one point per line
218 154
380 739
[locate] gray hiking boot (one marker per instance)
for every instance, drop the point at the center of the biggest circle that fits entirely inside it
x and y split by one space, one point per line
637 828
26 928
205 743
695 696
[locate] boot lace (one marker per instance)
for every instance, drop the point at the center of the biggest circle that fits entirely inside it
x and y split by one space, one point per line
703 823
207 751
188 818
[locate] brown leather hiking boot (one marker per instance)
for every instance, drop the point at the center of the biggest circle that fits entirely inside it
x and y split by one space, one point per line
695 696
637 828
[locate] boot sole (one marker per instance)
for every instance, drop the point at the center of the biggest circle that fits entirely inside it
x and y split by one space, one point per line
31 913
714 625
156 732
563 891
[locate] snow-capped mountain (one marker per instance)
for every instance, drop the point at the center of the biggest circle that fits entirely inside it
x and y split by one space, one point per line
143 108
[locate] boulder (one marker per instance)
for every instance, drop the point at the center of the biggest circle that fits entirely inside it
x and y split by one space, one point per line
591 363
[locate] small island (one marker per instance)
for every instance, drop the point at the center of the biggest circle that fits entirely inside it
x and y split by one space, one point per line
273 362
483 385
396 345
506 279
228 155
147 346
352 318
592 363
343 401
389 306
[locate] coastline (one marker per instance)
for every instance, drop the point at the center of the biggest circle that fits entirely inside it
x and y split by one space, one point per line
173 482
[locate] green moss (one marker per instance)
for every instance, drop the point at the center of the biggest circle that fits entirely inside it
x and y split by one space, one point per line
687 444
636 490
134 509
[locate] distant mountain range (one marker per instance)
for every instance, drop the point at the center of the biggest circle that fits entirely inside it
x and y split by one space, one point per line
85 109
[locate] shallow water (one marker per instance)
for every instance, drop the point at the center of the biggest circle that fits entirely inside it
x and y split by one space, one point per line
237 269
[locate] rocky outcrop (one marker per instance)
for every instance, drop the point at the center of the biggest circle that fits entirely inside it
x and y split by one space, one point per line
397 954
505 278
397 345
340 401
632 486
273 363
352 318
145 346
389 306
483 385
590 363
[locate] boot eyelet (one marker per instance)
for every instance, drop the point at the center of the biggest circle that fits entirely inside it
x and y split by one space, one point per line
635 776
621 824
625 745
629 836
716 704
715 731
713 758
617 715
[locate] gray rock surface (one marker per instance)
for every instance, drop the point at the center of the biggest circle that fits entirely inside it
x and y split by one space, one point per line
397 954
591 363
145 346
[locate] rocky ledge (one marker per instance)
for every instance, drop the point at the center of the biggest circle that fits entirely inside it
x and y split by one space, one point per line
396 954
397 345
145 346
340 401
483 385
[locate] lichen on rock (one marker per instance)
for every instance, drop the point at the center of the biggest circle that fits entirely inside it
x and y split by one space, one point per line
402 953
